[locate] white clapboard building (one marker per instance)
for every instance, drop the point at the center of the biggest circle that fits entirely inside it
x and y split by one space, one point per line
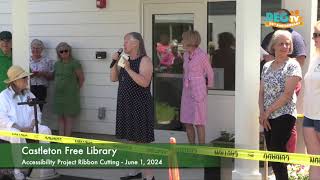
90 29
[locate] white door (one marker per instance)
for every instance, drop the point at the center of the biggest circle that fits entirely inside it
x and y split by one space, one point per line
163 24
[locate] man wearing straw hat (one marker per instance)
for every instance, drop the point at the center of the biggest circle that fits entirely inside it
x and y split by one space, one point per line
14 117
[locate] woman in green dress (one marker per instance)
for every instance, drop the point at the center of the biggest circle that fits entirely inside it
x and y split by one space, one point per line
69 79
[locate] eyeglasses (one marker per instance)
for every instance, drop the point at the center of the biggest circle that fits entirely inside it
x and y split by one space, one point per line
64 51
315 35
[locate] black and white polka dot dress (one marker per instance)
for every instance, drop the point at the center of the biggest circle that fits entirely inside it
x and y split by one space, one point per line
135 118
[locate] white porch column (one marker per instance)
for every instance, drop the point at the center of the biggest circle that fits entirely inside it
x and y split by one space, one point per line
308 10
248 17
20 33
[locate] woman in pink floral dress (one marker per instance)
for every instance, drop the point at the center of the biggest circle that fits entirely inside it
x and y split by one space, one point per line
194 101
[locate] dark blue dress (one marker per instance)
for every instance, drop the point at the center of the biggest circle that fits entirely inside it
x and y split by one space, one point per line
135 118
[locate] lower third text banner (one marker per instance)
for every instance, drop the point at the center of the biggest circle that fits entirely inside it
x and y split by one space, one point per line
79 152
96 156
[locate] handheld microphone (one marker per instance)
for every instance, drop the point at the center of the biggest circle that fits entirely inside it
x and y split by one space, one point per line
114 61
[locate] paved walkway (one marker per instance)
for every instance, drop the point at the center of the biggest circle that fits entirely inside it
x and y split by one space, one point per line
115 174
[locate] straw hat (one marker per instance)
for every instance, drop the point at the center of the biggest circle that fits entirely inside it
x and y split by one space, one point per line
14 73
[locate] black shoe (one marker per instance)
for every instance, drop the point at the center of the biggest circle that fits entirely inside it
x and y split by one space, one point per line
5 177
137 176
146 178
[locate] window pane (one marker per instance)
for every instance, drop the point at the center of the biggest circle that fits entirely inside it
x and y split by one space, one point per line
318 10
221 39
221 43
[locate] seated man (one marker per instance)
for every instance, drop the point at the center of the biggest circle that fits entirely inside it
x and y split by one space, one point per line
14 117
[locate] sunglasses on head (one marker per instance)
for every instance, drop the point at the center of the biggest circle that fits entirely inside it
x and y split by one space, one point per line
63 51
316 35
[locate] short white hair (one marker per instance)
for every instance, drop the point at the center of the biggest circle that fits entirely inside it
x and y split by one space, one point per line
37 43
275 38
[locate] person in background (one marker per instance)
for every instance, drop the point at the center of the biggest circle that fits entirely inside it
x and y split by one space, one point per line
5 56
177 66
299 46
69 78
263 53
277 99
134 116
224 57
14 117
164 51
211 49
300 54
42 70
194 99
311 122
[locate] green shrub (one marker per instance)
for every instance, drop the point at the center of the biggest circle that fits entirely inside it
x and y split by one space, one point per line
165 112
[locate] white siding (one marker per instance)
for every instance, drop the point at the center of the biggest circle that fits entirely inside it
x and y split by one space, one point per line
5 15
87 29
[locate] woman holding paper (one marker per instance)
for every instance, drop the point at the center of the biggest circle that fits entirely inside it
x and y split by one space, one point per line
42 69
134 106
134 117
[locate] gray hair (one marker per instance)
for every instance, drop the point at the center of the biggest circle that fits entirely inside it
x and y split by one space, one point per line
275 38
63 46
141 49
37 43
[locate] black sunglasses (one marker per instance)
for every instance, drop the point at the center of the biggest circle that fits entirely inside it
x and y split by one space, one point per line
62 51
315 35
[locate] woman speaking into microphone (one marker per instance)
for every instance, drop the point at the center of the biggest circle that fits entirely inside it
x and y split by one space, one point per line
134 116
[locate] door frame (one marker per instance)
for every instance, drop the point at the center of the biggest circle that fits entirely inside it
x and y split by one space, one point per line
196 7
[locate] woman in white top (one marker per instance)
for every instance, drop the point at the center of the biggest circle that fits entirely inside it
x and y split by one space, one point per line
42 69
311 122
277 100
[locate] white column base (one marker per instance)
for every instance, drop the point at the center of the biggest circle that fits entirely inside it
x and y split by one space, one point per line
237 175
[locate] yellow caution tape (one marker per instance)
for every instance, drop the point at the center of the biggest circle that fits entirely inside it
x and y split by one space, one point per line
300 116
291 158
73 140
